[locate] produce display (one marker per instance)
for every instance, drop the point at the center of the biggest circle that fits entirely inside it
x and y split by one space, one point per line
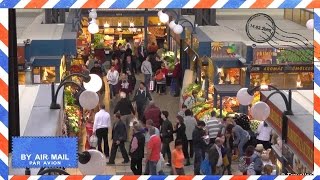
72 111
202 110
254 124
169 57
192 87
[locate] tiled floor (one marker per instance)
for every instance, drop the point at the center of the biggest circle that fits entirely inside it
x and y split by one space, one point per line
164 102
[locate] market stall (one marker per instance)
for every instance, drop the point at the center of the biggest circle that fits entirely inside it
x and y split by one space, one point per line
47 69
295 155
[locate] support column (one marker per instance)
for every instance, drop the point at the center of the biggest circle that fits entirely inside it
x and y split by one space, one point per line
14 119
145 19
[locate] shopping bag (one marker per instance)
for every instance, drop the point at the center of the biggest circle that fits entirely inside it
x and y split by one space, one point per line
93 141
160 163
151 85
225 161
205 166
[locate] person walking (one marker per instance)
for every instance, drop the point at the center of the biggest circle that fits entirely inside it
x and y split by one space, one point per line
113 78
180 130
166 134
177 75
124 84
153 112
215 157
191 124
124 106
241 137
153 153
149 124
101 124
96 69
119 136
141 98
89 127
178 158
137 149
213 127
182 111
264 132
198 145
228 145
146 69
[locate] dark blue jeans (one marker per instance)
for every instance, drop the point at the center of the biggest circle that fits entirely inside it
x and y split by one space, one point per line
198 157
151 168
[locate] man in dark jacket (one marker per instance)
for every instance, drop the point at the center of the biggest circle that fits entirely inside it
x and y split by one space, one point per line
119 136
166 134
198 145
126 109
141 98
152 112
137 149
215 157
97 69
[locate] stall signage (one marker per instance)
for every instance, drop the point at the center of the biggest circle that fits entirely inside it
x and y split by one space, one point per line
300 143
275 117
281 68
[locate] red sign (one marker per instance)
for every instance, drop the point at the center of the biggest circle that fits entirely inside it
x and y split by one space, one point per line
300 143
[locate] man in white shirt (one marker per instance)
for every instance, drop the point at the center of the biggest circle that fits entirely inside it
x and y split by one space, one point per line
101 124
146 69
113 78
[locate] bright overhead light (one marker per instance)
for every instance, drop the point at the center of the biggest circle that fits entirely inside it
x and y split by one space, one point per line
310 24
195 57
172 24
93 28
159 13
106 25
131 24
178 29
164 18
94 84
119 24
93 14
186 48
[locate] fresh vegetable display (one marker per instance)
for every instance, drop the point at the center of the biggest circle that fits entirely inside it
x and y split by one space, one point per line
169 57
72 111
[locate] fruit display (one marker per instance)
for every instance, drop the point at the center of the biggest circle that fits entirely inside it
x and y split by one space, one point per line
254 124
192 87
202 110
72 111
169 57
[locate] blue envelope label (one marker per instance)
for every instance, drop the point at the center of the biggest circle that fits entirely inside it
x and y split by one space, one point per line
46 152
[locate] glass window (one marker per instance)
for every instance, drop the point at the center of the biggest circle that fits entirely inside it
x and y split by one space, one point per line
44 75
283 80
229 75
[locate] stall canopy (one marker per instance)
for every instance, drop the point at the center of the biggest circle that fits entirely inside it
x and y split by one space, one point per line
46 61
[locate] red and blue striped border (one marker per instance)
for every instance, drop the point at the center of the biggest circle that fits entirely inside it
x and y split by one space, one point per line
4 4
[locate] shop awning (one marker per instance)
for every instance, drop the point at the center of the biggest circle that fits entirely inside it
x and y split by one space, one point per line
46 61
302 117
227 89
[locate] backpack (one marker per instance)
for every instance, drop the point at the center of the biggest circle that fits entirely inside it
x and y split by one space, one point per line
159 76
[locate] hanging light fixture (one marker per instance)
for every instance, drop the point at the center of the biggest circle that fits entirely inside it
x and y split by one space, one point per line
172 24
93 21
163 17
106 25
93 14
178 29
93 28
